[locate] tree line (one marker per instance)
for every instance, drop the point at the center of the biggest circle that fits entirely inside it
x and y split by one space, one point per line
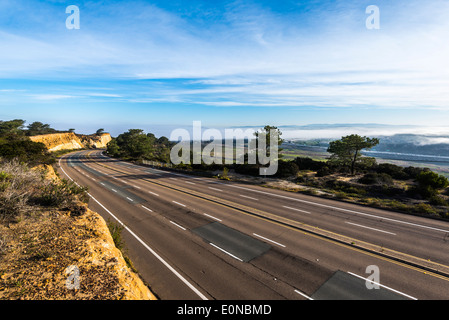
15 142
137 145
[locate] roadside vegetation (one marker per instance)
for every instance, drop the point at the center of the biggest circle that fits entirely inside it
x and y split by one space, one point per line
23 184
25 191
349 176
136 145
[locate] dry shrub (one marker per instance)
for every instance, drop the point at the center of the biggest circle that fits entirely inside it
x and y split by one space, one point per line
22 189
18 185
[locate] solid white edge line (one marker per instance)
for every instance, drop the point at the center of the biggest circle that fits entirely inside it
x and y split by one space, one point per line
304 295
279 244
362 226
176 273
230 254
178 225
384 286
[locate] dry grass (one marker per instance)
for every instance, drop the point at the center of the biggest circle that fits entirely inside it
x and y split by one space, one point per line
36 254
23 189
45 229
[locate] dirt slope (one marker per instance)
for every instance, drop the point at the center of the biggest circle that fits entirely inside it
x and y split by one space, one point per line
37 252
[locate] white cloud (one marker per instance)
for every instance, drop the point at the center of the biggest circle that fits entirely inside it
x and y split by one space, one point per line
50 97
105 95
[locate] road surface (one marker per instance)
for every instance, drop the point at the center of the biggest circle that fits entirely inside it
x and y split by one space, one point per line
193 238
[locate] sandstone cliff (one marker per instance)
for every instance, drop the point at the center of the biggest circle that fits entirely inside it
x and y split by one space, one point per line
72 141
37 252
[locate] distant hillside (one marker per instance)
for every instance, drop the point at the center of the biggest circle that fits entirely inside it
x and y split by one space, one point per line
415 144
421 147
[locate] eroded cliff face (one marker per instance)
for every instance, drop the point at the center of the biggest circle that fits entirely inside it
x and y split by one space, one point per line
38 251
72 141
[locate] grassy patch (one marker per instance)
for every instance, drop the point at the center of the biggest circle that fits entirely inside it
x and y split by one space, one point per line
116 231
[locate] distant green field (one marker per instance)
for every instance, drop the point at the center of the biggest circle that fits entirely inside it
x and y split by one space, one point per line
442 169
291 151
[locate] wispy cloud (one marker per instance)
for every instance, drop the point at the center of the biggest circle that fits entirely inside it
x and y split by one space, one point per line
105 95
49 97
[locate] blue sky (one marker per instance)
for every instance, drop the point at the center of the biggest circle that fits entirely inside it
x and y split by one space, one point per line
160 64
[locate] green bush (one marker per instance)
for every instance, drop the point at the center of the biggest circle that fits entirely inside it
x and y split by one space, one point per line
250 169
369 178
385 179
438 201
287 169
389 190
392 170
324 171
412 172
306 163
432 179
375 178
428 184
4 180
26 151
424 208
355 191
399 206
116 232
341 195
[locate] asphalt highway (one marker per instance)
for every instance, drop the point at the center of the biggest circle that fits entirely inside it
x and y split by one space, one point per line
193 237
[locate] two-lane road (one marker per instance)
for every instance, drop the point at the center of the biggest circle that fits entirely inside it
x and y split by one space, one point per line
192 237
